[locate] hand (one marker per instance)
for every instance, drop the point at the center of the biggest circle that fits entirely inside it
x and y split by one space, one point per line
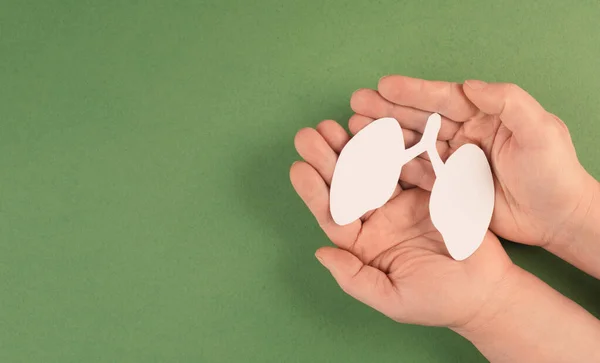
394 260
542 191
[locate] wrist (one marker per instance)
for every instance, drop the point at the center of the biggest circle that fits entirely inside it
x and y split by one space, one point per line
531 322
584 222
579 241
496 307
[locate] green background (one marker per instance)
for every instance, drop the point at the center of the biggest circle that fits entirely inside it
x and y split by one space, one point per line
145 209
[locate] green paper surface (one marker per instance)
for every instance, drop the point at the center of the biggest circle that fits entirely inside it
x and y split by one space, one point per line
145 209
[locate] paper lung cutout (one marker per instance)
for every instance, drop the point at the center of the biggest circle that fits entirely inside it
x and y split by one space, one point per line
462 201
369 166
367 171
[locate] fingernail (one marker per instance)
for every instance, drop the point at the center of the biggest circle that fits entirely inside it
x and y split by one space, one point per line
382 78
475 84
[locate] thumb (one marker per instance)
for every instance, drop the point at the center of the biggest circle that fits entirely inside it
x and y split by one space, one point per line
517 109
363 282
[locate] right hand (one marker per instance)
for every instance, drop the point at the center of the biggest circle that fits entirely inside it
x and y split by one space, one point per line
542 191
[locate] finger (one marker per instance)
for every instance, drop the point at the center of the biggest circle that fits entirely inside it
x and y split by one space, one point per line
357 122
363 282
334 134
370 103
418 172
397 220
445 98
517 109
337 138
314 192
406 186
311 145
313 148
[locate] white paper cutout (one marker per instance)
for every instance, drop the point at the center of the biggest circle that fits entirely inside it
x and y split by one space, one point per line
369 166
367 171
462 201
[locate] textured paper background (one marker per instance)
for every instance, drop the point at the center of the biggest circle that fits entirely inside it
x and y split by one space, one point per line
145 208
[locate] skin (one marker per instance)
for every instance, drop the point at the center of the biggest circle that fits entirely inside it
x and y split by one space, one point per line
395 261
544 196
